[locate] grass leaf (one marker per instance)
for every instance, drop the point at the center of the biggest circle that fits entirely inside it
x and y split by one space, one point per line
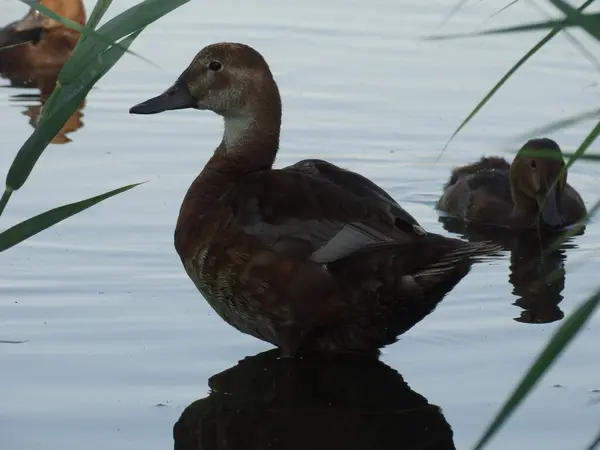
133 19
68 99
588 22
534 26
34 225
595 443
504 79
571 326
84 30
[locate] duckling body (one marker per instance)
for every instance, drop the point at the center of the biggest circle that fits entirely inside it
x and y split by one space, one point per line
37 44
523 195
310 257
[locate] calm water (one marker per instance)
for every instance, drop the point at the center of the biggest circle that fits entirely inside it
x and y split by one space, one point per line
114 327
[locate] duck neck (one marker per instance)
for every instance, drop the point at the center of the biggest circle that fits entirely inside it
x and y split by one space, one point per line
250 142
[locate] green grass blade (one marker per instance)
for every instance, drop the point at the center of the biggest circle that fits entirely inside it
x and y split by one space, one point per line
585 21
560 124
592 157
133 19
457 7
84 30
557 344
504 79
5 197
595 443
573 40
36 224
589 140
53 120
534 26
99 10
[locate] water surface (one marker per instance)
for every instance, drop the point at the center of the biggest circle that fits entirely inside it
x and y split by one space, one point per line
114 327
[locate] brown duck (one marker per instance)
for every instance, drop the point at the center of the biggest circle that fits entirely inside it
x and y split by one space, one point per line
311 257
37 44
520 195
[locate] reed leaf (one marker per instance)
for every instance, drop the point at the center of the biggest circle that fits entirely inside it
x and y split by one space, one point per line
32 226
571 326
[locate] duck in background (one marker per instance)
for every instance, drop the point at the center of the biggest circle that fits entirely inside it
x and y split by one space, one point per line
520 195
37 48
308 258
38 45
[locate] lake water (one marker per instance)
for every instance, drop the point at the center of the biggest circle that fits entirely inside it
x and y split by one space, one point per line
113 325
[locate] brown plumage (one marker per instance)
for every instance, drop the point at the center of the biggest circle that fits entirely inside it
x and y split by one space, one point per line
310 257
37 44
523 195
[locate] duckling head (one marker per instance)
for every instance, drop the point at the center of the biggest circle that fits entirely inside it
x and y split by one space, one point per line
35 26
535 181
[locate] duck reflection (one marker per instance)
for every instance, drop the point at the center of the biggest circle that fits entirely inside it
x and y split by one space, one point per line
34 103
538 279
265 402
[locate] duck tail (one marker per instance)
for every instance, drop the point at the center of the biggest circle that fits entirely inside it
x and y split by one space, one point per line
466 252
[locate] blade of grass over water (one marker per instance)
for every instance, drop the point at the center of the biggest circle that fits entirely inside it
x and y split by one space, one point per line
571 326
589 23
84 30
457 7
66 100
534 26
133 19
572 39
505 78
559 125
595 443
30 227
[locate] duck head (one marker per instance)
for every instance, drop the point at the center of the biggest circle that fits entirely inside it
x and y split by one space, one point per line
535 182
230 79
35 27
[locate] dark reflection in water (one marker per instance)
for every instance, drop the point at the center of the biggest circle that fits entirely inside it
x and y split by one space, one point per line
33 103
538 280
265 402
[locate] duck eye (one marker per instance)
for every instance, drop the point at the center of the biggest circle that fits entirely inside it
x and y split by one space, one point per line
215 66
532 164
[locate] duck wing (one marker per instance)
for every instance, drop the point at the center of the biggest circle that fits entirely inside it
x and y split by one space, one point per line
360 186
311 217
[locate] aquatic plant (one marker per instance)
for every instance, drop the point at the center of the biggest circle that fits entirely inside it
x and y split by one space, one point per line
96 52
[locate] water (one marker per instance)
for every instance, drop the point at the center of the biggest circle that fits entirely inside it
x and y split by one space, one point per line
114 327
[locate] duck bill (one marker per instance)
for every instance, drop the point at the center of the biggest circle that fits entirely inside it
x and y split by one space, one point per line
28 29
549 208
177 96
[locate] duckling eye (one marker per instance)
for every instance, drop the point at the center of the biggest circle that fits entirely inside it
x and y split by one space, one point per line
215 66
533 164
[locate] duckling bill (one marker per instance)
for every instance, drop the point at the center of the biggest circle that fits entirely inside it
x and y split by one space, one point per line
311 257
525 194
29 29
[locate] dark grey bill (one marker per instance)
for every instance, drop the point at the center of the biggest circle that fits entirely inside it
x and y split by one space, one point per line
177 96
549 208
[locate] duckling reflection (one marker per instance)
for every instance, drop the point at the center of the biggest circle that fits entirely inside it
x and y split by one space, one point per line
34 103
311 403
538 279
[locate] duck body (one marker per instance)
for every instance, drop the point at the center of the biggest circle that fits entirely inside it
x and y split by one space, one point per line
37 45
526 194
310 257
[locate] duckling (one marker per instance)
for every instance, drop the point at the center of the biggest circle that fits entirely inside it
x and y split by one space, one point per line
307 258
516 196
37 44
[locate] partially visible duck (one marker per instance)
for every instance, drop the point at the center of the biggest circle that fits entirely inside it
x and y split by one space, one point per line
309 258
520 195
38 44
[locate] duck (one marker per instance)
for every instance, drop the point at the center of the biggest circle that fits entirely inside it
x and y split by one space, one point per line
311 257
528 193
38 45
